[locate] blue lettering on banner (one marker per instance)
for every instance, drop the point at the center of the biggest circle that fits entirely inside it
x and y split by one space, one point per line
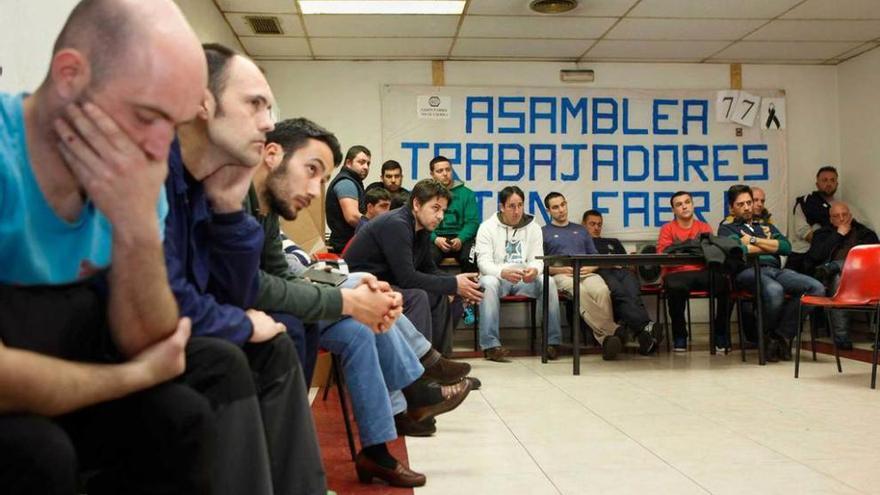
597 197
662 207
658 163
473 161
574 110
760 161
605 162
548 115
547 150
635 203
626 128
414 156
696 157
609 116
517 161
659 116
628 175
518 116
575 161
718 162
487 113
702 117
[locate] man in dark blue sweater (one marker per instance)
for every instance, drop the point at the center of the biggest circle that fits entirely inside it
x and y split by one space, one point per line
212 250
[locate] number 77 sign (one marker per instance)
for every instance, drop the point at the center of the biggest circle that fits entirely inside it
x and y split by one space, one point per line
737 106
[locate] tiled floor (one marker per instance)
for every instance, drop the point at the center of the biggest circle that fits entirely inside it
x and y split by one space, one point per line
671 424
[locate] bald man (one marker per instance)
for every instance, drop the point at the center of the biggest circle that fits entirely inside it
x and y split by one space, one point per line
88 317
828 251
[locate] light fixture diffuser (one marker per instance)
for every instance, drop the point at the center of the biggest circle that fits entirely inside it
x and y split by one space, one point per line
436 7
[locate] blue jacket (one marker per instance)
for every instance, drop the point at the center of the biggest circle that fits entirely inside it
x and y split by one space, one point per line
212 259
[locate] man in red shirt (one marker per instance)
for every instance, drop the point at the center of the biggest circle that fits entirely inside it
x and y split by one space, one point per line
679 281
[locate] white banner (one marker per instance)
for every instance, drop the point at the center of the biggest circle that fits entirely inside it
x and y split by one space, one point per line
622 152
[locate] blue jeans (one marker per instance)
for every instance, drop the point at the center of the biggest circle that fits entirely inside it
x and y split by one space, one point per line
490 307
780 314
373 364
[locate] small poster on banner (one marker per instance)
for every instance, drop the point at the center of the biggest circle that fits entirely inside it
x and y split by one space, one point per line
746 109
725 103
433 107
772 113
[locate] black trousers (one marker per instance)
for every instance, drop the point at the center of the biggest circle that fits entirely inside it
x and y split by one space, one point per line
626 297
678 286
463 256
159 440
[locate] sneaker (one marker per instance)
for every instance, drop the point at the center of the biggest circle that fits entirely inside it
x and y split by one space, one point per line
722 345
497 354
552 353
468 317
611 347
647 343
680 344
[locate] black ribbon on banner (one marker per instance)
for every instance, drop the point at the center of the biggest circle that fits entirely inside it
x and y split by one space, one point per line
771 117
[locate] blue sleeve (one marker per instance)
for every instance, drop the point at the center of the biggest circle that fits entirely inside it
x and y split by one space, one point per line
209 318
589 245
346 189
236 245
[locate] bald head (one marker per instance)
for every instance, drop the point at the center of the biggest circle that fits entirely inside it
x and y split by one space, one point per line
840 214
758 200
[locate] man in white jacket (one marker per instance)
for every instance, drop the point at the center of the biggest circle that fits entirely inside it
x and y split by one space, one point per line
507 246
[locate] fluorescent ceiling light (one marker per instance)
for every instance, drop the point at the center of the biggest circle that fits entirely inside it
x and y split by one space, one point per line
381 6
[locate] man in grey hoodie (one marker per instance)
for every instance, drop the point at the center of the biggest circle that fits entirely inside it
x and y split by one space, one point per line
507 247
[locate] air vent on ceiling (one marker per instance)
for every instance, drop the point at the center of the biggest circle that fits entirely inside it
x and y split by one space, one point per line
552 6
264 24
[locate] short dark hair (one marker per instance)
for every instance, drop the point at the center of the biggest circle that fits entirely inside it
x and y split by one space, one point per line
376 194
293 134
103 31
550 196
437 159
509 191
427 189
677 194
218 57
826 168
735 191
354 150
391 165
590 213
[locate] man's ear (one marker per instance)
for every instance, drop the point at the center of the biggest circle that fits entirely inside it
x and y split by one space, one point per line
208 106
70 72
273 155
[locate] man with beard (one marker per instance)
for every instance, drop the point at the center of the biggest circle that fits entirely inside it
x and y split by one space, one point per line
344 204
392 180
810 213
780 315
299 156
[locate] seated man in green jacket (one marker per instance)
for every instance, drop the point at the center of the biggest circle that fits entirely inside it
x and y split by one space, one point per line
454 237
298 157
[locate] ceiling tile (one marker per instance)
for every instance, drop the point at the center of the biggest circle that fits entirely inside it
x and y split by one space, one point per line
434 26
767 61
682 29
666 50
858 50
381 47
785 50
289 24
836 9
719 9
276 46
535 27
519 48
817 31
521 7
261 6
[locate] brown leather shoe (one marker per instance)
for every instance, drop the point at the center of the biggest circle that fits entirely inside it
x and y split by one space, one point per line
453 395
446 371
407 427
367 469
552 353
497 354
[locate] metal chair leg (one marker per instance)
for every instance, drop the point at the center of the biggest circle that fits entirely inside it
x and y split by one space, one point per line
343 402
533 330
875 323
813 324
739 326
797 345
833 342
476 327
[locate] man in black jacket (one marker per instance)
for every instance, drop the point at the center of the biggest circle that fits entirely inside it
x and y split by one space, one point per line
344 205
828 251
396 247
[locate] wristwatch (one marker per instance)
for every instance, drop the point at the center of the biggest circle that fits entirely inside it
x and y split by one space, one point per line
753 240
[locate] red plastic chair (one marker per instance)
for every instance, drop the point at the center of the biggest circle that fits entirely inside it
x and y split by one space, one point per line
859 290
